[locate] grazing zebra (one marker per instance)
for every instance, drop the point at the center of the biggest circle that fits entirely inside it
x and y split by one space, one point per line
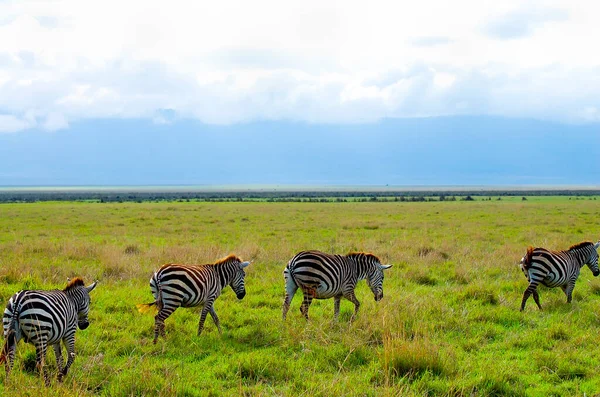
324 276
557 268
45 318
176 286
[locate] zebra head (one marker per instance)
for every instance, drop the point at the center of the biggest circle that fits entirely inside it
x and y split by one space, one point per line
80 296
593 260
237 281
375 280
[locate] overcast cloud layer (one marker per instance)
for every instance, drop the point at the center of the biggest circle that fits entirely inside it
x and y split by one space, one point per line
226 62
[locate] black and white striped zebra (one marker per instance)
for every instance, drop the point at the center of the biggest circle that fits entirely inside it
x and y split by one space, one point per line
324 276
557 268
45 318
176 286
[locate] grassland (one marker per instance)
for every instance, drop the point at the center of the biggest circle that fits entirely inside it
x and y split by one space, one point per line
449 323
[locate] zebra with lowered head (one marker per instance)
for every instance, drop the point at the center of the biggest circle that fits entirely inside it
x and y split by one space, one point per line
324 276
176 286
45 318
557 268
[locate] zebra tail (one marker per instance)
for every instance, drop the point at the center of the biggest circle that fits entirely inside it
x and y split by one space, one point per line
526 262
146 307
152 306
159 301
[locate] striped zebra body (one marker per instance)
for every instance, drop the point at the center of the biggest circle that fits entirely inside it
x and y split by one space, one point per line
557 268
176 286
324 276
45 318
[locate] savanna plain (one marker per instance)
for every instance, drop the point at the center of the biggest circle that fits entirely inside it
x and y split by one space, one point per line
448 325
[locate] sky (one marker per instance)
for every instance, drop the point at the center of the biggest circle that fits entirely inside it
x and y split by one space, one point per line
189 68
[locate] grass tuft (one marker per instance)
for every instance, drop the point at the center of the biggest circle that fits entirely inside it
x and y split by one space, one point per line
423 278
409 358
132 250
259 368
559 333
480 293
424 251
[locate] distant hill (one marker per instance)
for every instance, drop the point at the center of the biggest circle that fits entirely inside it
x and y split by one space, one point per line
423 151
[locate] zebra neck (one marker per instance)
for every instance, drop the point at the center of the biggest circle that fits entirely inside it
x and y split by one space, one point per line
74 295
580 256
224 272
360 269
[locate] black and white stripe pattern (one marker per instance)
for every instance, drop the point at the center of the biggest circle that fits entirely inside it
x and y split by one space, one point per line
324 276
45 318
176 286
557 268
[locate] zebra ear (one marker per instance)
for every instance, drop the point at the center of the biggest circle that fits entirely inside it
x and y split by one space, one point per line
597 245
384 267
244 264
91 287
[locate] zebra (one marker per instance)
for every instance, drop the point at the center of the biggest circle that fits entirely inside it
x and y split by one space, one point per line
176 286
324 276
557 268
45 318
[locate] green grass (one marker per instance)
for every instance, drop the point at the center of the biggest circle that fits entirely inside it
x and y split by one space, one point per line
449 322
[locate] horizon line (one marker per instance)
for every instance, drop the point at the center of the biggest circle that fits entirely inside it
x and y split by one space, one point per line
292 188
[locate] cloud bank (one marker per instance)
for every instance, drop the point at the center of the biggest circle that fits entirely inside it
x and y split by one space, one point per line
234 62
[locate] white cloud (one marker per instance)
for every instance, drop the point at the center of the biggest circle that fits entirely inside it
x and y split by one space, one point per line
10 123
523 22
55 121
234 61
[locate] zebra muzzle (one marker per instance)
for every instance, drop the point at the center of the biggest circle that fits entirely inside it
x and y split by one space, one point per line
83 324
241 295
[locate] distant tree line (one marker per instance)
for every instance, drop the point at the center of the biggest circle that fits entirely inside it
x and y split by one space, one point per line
104 196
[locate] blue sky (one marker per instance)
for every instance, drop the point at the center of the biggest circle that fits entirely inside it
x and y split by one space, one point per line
124 82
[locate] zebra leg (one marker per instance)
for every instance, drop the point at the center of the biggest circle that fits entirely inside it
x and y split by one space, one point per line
568 290
336 306
70 345
59 358
308 297
290 290
531 289
213 314
159 321
536 298
8 351
40 359
207 307
352 298
564 289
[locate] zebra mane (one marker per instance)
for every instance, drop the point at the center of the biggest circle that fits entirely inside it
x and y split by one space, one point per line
228 258
580 245
365 254
76 282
